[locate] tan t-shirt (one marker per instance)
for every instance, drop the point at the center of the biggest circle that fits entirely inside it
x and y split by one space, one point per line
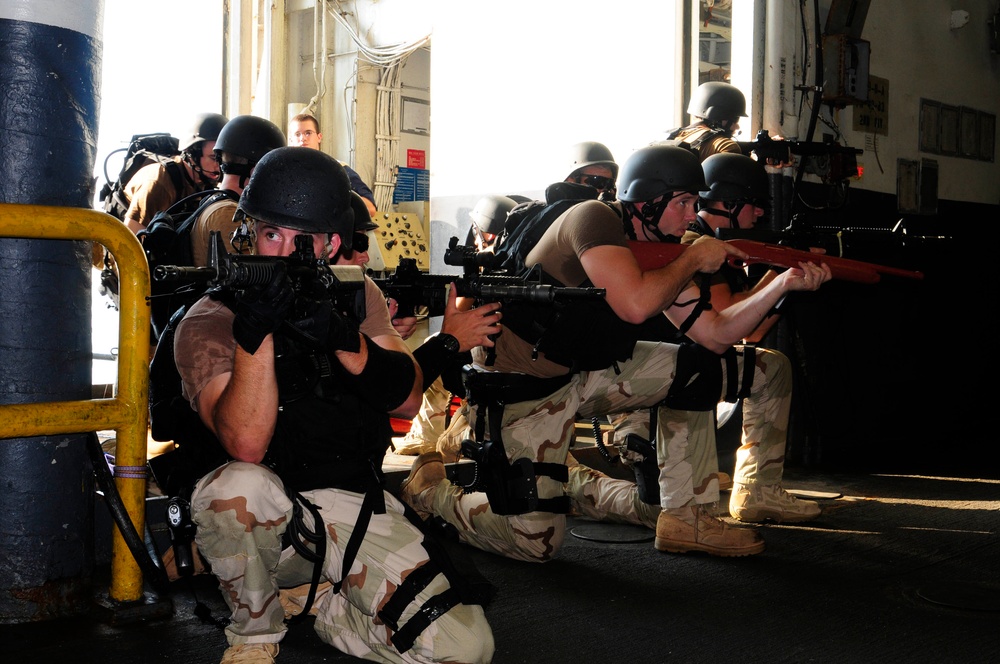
152 190
204 346
582 227
217 217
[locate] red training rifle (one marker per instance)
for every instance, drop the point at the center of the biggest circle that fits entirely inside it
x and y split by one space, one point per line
651 255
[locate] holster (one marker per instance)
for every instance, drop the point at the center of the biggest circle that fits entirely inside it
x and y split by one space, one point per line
511 487
647 471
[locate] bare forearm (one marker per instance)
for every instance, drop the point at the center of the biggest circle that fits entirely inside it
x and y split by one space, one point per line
247 409
745 317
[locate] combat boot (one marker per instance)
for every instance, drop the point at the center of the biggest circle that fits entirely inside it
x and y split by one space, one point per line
694 529
755 503
417 490
250 653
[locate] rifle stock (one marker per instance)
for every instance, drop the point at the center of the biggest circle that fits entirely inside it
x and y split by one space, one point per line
651 255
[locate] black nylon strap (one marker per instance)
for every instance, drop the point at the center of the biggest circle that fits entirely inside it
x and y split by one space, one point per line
374 501
407 591
704 303
431 610
557 471
749 364
297 532
732 379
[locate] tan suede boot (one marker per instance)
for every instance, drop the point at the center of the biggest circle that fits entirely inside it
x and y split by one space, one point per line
251 653
417 490
692 528
755 503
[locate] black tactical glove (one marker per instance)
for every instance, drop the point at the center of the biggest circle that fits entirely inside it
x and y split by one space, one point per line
343 333
260 310
331 330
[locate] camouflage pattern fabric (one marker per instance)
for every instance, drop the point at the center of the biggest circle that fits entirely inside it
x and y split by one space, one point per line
241 511
761 456
428 431
429 424
542 430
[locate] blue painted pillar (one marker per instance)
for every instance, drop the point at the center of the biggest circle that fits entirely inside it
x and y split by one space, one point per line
50 69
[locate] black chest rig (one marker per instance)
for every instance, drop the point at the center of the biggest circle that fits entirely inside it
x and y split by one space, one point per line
584 335
325 436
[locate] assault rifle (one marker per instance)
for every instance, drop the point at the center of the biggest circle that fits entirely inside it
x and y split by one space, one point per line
768 149
427 293
835 240
651 255
343 284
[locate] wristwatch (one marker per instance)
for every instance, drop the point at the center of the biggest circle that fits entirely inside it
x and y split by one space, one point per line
449 342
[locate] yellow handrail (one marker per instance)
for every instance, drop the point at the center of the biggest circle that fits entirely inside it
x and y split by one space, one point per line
127 412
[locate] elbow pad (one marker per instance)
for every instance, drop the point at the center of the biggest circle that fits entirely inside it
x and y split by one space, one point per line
386 380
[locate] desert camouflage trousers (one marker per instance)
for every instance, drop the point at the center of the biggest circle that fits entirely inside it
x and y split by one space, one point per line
241 511
428 431
761 455
542 431
429 424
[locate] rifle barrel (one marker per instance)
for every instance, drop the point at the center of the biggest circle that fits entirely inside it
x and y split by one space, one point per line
183 273
843 268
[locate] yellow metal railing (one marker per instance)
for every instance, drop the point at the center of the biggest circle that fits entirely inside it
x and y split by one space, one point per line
127 412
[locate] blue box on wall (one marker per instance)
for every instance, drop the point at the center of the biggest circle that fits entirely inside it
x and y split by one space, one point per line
412 184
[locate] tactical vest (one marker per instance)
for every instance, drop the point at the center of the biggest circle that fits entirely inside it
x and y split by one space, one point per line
325 436
583 335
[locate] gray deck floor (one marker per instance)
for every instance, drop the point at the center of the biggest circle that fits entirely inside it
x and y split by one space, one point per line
898 569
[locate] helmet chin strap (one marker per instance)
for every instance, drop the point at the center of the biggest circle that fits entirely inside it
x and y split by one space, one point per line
731 213
243 237
190 160
654 234
243 170
700 225
629 211
650 215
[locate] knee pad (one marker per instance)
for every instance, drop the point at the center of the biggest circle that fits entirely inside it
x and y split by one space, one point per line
697 383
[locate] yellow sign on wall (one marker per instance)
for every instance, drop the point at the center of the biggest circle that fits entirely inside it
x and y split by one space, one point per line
873 116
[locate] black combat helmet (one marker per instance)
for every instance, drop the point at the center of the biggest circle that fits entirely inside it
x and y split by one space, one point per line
248 137
302 189
363 221
491 212
736 178
716 101
591 153
205 127
658 170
